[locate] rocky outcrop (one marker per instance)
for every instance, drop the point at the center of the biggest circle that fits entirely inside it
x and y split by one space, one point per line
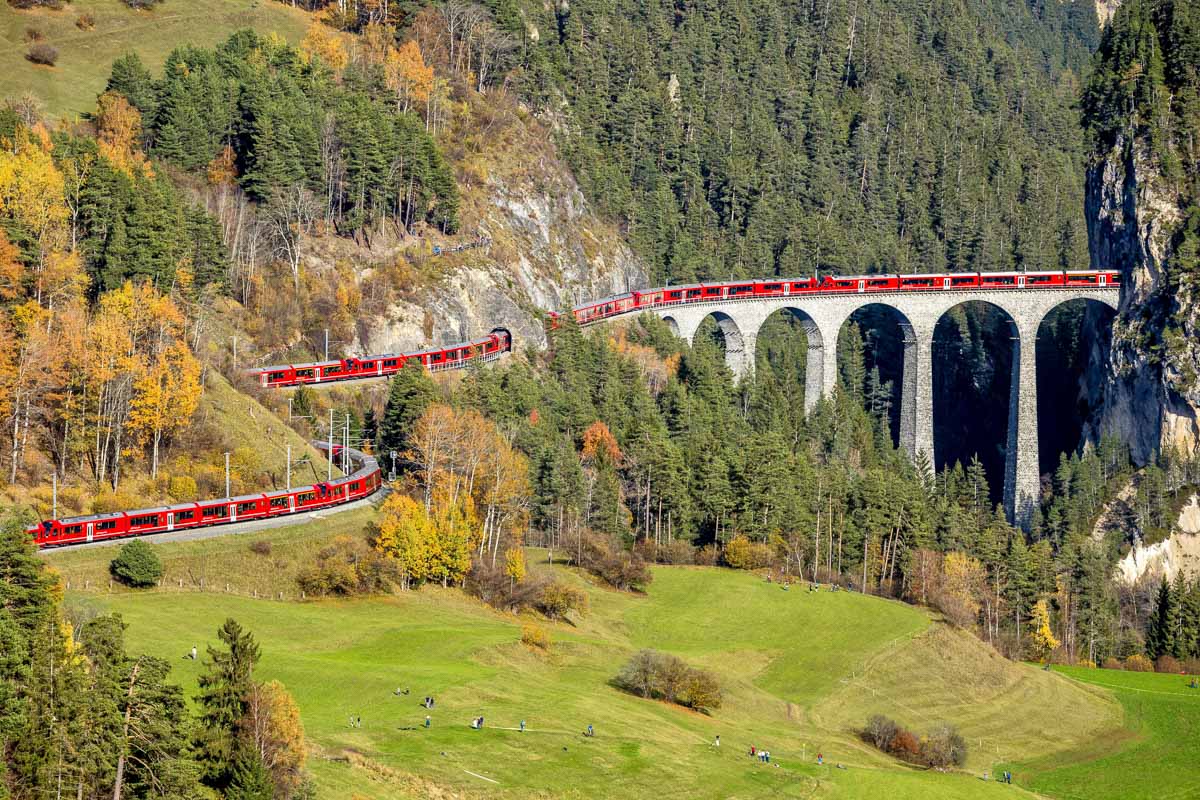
530 243
1105 10
1150 397
1181 551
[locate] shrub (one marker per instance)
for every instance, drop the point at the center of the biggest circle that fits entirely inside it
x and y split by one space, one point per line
708 555
183 488
1165 663
262 547
535 636
1138 663
1113 663
614 565
141 5
944 747
136 564
741 553
348 567
677 552
494 586
43 54
34 35
652 674
881 731
557 599
86 21
1191 666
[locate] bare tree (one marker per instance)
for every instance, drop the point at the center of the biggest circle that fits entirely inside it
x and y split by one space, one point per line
290 216
493 47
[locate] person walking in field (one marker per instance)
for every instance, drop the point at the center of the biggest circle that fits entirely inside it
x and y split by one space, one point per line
717 741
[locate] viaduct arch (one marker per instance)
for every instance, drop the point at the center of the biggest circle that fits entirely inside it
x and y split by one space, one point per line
822 317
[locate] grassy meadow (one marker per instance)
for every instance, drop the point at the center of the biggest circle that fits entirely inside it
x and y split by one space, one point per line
1155 756
800 672
69 89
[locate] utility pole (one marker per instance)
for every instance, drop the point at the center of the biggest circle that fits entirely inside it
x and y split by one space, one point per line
289 468
330 453
227 476
327 344
346 447
54 502
235 352
289 409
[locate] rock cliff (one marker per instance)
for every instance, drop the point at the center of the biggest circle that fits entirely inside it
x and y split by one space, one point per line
543 249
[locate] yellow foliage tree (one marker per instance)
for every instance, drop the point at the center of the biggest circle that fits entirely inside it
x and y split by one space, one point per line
514 565
405 533
11 270
964 580
457 533
272 727
1044 642
118 129
320 42
408 75
164 398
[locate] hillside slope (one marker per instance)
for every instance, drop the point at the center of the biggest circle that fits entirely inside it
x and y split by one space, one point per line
769 647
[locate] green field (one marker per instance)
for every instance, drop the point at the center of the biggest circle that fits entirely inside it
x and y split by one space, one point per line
1156 755
70 88
800 671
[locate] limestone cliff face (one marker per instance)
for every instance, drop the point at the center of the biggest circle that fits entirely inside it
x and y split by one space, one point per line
1151 399
545 250
1179 552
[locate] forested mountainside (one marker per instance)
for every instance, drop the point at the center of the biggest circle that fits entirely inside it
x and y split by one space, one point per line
844 135
1142 109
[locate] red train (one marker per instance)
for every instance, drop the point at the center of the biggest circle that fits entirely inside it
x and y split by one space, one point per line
834 285
362 482
491 346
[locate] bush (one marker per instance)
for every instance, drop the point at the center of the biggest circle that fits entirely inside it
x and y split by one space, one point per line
557 599
43 54
944 747
183 488
652 674
86 21
614 565
348 567
34 35
262 547
534 636
1191 666
492 585
677 552
881 731
1138 663
141 5
136 564
708 555
1113 663
1165 663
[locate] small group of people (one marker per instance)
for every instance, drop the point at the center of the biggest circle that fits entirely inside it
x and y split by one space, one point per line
762 755
400 691
427 702
477 723
355 722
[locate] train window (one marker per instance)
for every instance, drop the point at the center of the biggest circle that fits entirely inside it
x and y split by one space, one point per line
149 519
279 502
736 290
918 282
1039 279
277 376
107 525
244 507
71 530
998 281
879 282
436 357
368 365
304 497
354 487
304 373
184 516
1083 278
962 281
715 290
332 370
693 293
215 511
391 362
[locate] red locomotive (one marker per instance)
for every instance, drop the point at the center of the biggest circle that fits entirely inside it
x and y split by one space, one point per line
362 482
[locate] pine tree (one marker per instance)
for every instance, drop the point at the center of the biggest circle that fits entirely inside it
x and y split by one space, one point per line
411 392
1161 630
224 687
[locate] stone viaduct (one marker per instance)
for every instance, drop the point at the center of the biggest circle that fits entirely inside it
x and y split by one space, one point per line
822 317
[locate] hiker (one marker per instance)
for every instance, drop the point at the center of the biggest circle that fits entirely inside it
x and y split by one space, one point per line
752 751
193 652
820 758
428 721
475 723
717 741
522 726
481 722
590 732
767 756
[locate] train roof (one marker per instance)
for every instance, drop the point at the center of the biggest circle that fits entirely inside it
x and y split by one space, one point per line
181 506
243 498
92 517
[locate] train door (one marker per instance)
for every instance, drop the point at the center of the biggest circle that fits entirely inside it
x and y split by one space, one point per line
945 283
90 530
1103 279
862 285
233 512
1020 281
291 504
170 520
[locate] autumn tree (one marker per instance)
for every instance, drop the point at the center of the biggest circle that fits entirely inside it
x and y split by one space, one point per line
272 734
119 131
405 533
323 44
1043 641
164 398
408 76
